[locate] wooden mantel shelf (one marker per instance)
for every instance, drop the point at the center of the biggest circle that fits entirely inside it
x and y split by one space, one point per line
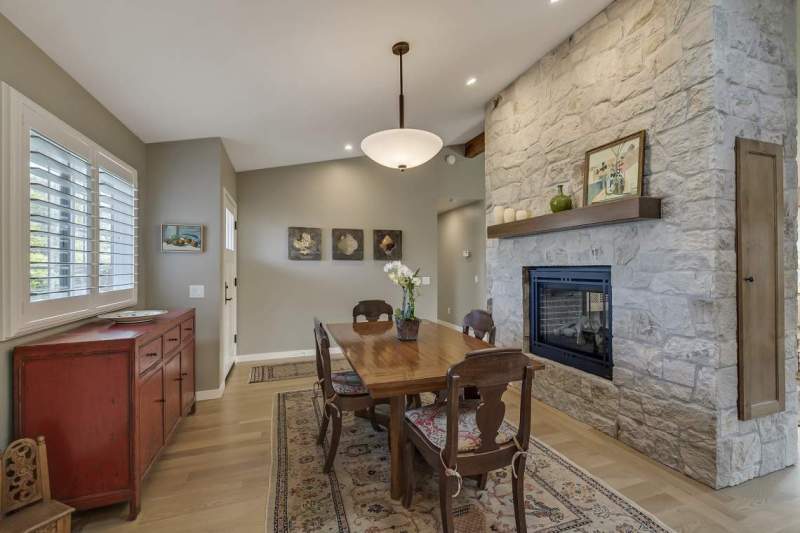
626 210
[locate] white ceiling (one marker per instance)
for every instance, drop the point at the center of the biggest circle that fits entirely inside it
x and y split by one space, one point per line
293 81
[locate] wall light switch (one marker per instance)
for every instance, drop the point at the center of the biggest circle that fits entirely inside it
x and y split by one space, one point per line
426 280
197 291
476 280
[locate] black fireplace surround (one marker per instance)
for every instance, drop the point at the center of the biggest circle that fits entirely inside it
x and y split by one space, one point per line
569 316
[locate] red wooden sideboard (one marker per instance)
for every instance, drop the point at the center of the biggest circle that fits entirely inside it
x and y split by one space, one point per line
106 398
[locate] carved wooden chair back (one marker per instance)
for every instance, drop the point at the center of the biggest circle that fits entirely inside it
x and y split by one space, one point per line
372 310
490 371
25 477
322 344
481 323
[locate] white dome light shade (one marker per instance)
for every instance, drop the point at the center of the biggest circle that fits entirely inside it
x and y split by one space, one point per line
402 147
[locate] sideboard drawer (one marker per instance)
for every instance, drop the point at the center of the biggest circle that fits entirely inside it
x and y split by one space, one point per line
149 354
187 329
172 339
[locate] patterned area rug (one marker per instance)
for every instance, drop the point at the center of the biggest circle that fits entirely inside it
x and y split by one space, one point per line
261 374
354 497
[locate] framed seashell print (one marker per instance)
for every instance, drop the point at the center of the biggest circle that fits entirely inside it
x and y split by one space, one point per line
305 244
387 245
347 244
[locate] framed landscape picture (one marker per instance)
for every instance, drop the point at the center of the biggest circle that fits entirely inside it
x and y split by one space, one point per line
347 244
614 170
305 244
387 245
182 238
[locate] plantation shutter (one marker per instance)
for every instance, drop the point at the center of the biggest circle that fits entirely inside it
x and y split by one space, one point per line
116 232
61 208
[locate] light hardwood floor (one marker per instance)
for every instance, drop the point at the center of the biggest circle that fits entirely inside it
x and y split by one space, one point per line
213 475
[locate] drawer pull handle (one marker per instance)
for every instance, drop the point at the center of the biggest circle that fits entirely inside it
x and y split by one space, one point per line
178 379
172 340
162 400
184 373
151 354
187 329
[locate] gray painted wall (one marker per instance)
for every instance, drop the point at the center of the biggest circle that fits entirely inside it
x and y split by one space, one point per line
462 229
278 298
186 178
26 68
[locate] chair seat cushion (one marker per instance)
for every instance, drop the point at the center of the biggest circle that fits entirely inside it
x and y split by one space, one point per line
348 383
431 420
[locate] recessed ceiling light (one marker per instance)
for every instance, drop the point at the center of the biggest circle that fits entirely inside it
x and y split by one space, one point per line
472 81
348 147
552 1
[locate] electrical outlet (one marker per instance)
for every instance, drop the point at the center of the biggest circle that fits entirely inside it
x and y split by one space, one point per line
197 291
476 279
448 310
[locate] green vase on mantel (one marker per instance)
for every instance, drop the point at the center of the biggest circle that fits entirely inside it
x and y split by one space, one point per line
560 202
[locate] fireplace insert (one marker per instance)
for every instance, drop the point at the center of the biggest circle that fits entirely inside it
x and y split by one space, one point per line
570 316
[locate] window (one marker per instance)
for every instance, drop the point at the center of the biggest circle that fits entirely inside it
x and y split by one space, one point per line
230 230
68 238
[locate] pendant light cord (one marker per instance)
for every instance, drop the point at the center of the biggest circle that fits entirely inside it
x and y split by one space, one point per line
402 104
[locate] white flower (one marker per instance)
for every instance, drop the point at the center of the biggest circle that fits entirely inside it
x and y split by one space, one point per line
417 282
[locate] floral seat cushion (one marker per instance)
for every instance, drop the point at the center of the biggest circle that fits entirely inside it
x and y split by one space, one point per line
347 383
431 420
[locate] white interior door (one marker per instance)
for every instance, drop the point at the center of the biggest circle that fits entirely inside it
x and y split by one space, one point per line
230 285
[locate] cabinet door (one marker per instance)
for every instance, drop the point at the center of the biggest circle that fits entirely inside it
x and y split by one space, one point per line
151 417
172 393
187 377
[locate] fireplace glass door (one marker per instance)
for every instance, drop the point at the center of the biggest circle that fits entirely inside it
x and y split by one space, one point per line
571 317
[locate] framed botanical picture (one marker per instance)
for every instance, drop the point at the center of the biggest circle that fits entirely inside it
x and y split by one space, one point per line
387 245
347 244
305 244
614 170
182 238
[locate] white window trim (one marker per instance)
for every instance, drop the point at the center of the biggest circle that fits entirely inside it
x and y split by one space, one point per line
18 315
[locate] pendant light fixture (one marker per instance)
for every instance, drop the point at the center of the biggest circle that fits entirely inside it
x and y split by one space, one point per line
402 147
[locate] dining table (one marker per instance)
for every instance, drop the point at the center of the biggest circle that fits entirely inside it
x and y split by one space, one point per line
393 369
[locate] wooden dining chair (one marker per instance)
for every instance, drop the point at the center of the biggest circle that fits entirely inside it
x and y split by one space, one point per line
481 323
372 310
470 438
341 391
25 502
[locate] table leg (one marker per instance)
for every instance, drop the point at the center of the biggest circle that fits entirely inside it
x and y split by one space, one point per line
396 414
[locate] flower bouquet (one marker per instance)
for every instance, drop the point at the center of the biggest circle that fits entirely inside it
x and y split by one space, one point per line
404 317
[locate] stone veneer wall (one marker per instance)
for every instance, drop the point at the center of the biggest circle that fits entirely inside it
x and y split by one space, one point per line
694 74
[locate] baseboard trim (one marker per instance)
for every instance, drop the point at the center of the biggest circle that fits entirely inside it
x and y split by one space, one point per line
290 356
212 394
449 325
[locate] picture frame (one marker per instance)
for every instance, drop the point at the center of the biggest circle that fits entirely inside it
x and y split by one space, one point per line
347 244
183 238
387 245
615 170
304 244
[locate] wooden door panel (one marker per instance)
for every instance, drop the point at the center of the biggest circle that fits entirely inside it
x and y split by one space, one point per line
187 377
172 393
151 416
759 243
92 394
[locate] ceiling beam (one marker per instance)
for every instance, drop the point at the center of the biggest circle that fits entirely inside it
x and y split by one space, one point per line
474 146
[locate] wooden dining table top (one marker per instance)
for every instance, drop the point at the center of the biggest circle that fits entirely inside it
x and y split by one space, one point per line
389 366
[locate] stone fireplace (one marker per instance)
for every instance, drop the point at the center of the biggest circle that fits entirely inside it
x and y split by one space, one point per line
567 314
694 75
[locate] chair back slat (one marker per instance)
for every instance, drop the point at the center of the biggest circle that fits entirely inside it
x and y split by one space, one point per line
372 310
24 476
481 323
322 344
490 371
